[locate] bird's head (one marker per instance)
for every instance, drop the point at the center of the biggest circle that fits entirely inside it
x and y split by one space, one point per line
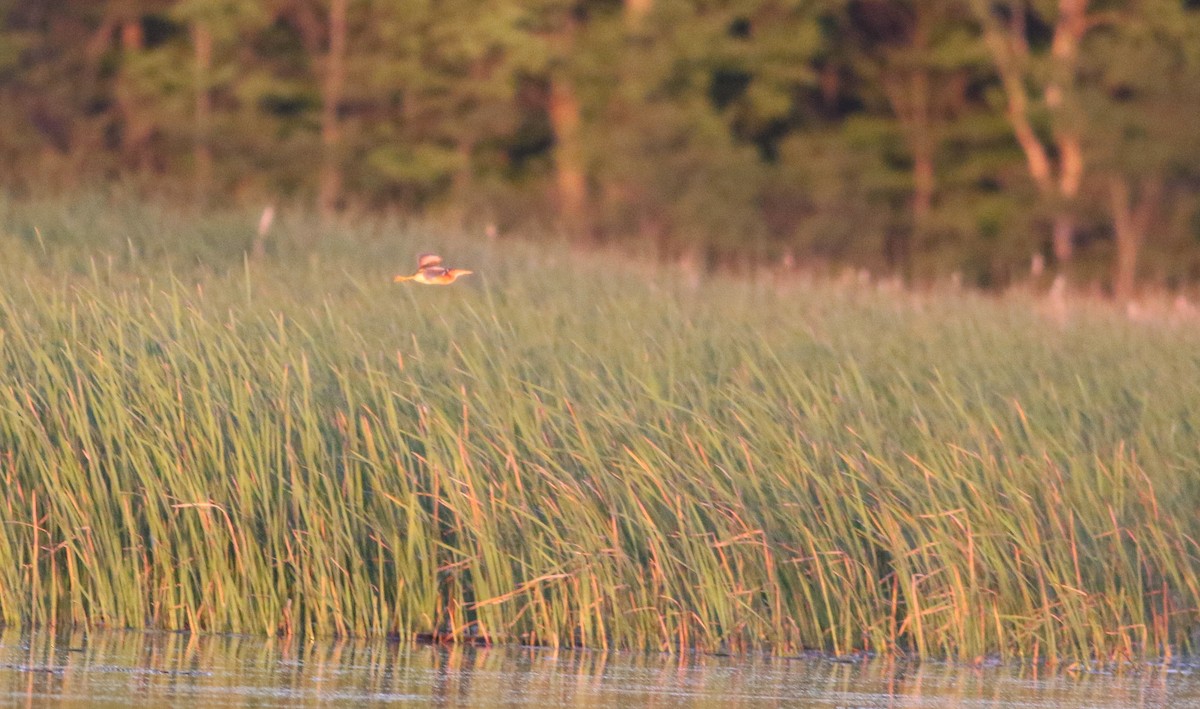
456 272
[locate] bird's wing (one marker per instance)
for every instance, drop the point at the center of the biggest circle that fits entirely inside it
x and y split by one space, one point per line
427 260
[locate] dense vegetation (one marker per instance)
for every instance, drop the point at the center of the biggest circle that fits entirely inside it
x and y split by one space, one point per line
564 449
921 138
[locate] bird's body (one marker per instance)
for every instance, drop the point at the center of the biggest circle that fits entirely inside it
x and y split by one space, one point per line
431 272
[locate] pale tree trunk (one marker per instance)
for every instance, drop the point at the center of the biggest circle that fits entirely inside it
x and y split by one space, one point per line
136 129
1070 176
635 11
568 154
924 184
1131 216
1068 32
1062 237
570 176
202 41
329 189
1058 179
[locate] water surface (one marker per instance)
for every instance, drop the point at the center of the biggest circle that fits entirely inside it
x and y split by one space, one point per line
161 669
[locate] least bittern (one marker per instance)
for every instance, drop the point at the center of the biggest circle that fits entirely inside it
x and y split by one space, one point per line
431 272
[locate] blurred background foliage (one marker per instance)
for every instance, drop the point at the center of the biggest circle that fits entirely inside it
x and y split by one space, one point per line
985 140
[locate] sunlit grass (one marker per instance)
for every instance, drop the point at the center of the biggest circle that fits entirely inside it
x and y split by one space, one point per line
566 451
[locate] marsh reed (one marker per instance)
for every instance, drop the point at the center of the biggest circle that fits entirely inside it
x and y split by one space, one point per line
568 453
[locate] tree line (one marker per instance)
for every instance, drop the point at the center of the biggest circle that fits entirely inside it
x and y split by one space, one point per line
920 138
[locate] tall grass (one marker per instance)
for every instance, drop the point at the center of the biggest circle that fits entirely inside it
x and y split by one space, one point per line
566 450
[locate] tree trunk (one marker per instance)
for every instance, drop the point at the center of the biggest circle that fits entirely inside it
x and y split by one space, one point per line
1062 237
907 83
1064 49
135 129
202 41
635 10
568 155
1131 221
923 187
1058 179
330 187
1070 176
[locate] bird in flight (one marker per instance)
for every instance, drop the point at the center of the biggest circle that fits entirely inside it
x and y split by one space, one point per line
431 272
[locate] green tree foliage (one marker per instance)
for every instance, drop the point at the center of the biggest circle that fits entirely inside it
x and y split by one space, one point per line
1142 100
916 138
689 106
934 146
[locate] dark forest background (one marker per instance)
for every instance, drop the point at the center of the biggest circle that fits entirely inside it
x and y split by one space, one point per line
981 139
